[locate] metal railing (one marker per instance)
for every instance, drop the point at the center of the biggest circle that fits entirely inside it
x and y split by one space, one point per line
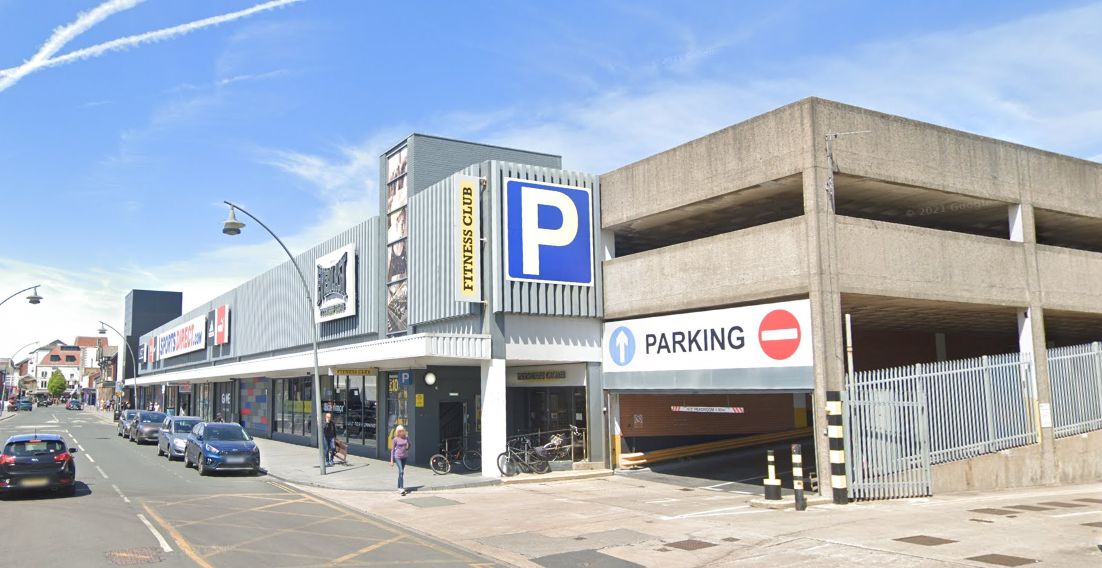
1075 377
900 421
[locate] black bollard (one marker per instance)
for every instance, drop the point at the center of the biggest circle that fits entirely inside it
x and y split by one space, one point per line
798 477
772 484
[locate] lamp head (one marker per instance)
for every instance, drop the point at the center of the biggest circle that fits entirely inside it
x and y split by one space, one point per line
232 226
102 329
34 298
430 378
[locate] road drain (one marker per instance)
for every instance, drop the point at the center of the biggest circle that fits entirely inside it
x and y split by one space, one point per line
132 556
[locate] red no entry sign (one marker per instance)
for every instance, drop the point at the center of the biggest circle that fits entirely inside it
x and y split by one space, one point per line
779 334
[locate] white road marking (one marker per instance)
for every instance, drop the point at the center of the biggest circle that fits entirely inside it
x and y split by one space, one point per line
160 539
1075 514
662 501
119 491
726 511
54 421
101 472
717 486
79 447
89 456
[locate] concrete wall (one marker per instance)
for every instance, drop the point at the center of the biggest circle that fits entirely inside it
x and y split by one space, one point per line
763 262
764 148
1070 279
1076 462
916 153
887 259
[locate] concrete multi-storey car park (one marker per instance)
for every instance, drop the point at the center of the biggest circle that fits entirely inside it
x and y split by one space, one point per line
938 244
722 270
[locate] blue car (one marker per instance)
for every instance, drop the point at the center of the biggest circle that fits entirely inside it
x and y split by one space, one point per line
173 435
218 446
24 404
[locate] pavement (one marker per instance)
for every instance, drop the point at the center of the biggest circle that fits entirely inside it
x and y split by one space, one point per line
648 518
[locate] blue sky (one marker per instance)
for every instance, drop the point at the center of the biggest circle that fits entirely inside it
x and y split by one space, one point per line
113 167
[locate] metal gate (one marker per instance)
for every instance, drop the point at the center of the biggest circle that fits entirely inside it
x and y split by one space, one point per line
887 439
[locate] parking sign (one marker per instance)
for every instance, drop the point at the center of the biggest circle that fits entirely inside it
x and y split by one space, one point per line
548 233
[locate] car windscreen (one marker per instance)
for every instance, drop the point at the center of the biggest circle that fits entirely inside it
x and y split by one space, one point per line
147 417
184 425
129 414
225 433
34 448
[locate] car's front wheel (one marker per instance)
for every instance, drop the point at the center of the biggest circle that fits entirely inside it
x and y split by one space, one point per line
202 468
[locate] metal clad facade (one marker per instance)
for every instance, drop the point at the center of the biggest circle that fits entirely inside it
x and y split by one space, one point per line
432 254
432 159
270 313
540 298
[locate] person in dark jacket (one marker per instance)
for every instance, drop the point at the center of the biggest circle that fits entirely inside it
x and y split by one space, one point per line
330 432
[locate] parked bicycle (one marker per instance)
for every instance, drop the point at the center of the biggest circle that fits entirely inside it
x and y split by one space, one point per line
441 463
521 456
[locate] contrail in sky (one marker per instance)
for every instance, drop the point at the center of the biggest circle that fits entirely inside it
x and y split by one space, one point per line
136 40
62 36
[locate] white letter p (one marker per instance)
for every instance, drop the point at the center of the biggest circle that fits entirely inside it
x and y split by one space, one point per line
532 235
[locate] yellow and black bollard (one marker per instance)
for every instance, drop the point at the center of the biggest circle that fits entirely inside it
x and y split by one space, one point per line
771 482
798 477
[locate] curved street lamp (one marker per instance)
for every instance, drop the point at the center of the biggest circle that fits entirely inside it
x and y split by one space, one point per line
233 227
34 298
103 331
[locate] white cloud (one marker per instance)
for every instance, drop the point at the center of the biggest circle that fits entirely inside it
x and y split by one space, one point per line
10 76
61 36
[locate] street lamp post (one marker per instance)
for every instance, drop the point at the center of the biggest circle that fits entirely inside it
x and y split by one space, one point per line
134 360
233 227
34 298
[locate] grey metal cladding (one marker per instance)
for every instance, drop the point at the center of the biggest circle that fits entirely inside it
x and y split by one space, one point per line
270 312
432 257
535 297
432 158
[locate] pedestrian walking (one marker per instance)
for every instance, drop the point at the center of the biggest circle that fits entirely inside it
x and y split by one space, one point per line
330 432
399 450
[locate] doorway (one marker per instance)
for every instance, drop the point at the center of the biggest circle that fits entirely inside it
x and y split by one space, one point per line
452 423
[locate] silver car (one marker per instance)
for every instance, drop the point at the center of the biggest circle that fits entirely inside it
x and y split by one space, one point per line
173 436
146 426
125 420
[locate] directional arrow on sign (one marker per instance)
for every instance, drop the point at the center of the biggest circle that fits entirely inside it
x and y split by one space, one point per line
622 344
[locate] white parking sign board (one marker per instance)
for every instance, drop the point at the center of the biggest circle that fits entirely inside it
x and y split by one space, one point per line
765 335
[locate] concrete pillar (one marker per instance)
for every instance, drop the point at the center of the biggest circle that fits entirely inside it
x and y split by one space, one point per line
596 414
1031 337
493 415
826 302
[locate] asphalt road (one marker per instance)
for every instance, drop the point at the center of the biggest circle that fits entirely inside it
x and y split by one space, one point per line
133 508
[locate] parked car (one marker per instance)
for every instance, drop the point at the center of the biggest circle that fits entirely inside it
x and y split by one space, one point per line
24 404
218 446
125 419
43 402
73 404
173 436
146 427
37 461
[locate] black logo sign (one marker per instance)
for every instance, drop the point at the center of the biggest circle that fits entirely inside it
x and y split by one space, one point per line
332 284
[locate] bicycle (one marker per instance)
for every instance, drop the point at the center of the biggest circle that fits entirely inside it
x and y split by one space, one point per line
523 459
441 463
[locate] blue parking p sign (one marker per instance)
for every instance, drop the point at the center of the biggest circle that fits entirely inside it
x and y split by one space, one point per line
548 233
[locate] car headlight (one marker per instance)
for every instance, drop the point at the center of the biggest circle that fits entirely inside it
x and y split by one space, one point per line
210 449
179 443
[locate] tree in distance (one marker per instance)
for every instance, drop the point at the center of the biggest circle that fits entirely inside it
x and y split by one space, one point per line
56 385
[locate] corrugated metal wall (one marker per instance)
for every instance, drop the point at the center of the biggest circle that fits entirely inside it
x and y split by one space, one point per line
269 313
432 255
540 298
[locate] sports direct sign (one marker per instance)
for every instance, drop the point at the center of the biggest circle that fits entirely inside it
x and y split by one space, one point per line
766 335
184 338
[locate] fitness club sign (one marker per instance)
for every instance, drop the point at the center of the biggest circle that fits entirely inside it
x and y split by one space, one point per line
766 335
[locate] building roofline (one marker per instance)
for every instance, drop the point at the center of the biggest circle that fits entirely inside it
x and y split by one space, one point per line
446 139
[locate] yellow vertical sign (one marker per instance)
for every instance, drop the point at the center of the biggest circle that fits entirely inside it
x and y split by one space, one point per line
468 239
419 400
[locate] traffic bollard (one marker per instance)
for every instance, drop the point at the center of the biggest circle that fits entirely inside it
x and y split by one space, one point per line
771 482
798 477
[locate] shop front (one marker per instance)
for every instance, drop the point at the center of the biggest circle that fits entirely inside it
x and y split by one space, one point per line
351 397
545 399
